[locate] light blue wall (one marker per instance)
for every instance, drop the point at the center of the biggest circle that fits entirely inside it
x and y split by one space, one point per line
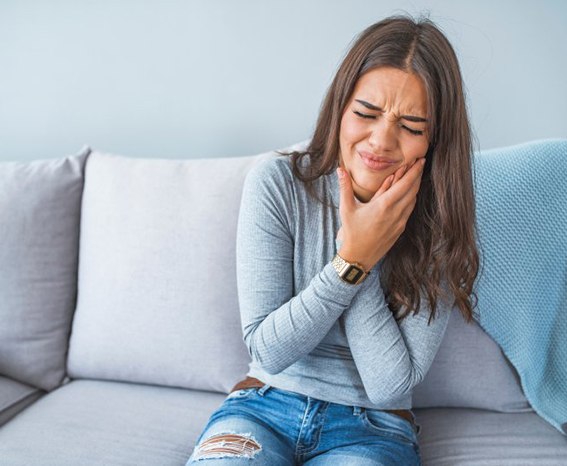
209 78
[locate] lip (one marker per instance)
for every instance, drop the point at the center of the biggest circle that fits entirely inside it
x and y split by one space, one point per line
374 162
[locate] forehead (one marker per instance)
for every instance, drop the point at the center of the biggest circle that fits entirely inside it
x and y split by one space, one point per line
393 90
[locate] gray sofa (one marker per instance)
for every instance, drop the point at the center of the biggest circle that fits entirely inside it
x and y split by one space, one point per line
120 330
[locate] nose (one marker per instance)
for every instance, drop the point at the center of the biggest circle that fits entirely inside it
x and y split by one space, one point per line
383 137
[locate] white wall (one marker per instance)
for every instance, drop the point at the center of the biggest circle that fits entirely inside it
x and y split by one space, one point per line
209 78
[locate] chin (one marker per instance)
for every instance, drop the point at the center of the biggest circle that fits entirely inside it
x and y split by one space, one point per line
364 191
371 186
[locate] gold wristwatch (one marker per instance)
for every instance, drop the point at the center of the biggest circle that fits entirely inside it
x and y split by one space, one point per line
352 273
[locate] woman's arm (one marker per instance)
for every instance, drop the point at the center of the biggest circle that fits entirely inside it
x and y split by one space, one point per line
280 328
391 357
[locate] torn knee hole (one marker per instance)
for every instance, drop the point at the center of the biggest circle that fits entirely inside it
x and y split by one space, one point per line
224 445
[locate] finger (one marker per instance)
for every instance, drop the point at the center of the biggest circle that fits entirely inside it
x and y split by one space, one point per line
411 178
385 185
416 166
417 175
346 192
399 173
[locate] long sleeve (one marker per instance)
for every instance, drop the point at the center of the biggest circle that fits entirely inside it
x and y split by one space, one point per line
402 351
279 325
305 329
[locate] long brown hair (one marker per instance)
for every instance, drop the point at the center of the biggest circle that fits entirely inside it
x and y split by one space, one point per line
439 241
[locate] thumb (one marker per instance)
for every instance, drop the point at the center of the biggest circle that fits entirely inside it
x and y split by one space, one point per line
345 189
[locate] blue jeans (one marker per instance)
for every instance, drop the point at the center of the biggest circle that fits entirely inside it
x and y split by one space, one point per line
272 427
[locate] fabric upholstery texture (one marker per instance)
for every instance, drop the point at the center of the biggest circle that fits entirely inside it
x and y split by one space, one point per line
157 297
521 194
123 423
40 205
89 422
14 397
470 371
475 437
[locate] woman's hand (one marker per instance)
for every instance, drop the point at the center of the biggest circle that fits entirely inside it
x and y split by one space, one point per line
369 230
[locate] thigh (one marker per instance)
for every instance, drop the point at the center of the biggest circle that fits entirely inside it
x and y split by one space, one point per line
367 455
237 438
370 438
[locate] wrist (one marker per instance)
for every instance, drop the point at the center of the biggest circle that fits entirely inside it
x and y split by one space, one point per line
353 257
352 273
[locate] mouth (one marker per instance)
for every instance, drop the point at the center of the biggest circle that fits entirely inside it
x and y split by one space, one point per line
376 163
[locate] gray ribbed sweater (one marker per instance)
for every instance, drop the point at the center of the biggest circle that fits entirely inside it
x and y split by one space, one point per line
307 331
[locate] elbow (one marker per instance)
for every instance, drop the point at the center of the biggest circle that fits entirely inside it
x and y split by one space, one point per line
265 359
384 389
269 365
379 395
271 369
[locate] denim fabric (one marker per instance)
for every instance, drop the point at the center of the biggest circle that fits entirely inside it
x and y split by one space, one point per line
287 428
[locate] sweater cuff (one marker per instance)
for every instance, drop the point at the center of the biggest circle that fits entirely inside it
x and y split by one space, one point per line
342 291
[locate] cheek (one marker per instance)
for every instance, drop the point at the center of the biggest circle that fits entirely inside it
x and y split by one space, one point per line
416 149
350 130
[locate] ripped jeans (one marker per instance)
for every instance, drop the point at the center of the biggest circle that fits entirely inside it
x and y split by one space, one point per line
272 427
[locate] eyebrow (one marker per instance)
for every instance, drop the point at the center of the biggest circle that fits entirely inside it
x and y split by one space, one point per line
405 117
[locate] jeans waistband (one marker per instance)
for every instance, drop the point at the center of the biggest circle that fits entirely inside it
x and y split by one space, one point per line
251 382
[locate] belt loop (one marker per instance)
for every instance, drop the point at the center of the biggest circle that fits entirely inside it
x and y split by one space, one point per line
264 389
357 410
416 426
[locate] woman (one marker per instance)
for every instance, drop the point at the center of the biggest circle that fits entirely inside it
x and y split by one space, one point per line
350 256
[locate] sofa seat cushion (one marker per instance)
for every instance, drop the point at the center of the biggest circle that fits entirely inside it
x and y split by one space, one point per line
14 397
476 437
96 422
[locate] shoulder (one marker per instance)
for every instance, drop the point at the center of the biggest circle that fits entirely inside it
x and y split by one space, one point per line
269 194
271 167
273 178
271 173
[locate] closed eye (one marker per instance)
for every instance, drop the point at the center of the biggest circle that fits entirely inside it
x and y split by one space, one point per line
415 132
364 115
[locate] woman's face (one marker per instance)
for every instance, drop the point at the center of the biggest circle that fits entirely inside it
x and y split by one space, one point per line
382 128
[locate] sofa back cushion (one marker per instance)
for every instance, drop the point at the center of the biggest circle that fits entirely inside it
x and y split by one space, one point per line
40 205
470 370
157 299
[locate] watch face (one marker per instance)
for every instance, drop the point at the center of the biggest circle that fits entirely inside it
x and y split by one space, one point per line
353 274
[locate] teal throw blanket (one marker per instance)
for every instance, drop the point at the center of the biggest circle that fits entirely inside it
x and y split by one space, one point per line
521 194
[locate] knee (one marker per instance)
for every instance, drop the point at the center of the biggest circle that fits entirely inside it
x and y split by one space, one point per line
227 445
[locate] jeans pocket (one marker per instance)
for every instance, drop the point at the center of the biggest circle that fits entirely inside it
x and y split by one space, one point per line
389 425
